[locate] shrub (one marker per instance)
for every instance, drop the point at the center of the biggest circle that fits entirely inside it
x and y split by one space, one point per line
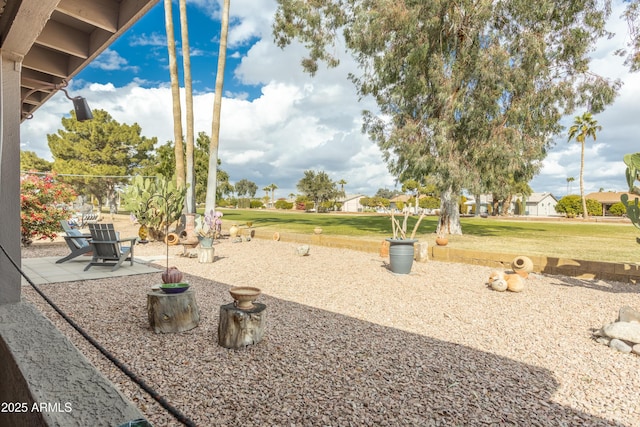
571 205
39 196
256 204
429 202
618 209
283 204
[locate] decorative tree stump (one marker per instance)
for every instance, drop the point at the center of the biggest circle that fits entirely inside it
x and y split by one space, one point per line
205 255
240 328
172 312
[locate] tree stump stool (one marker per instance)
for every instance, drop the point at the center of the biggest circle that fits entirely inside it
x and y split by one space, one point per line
172 312
240 328
205 255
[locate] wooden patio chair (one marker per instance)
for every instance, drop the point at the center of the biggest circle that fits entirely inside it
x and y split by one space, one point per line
107 247
77 242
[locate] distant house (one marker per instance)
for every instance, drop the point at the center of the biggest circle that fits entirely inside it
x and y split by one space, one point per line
608 199
540 204
402 198
351 203
537 204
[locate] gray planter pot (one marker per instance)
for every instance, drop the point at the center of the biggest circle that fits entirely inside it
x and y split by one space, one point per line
401 255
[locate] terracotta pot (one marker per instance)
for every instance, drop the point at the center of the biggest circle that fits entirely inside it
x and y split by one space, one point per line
522 265
233 231
441 241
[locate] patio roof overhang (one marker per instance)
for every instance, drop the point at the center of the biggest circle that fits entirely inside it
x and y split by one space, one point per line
54 40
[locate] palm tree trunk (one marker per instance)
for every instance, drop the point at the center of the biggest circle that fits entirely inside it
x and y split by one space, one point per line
585 214
217 104
175 94
190 200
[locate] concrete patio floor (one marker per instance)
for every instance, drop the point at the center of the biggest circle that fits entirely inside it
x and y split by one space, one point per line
45 270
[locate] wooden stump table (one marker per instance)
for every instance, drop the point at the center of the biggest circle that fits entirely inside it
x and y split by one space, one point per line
240 328
172 312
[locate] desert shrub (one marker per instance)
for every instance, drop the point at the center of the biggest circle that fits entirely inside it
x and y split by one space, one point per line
283 204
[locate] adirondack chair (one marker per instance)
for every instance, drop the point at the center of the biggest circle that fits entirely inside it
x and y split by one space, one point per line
77 241
107 247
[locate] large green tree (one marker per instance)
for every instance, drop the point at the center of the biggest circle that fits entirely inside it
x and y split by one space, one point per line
459 84
318 187
30 161
583 127
163 162
99 153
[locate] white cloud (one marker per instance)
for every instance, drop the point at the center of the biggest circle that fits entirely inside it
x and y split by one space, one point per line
153 39
110 60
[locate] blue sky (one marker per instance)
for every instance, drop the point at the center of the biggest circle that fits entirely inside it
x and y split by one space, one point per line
278 122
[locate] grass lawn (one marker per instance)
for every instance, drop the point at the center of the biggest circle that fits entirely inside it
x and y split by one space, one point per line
562 238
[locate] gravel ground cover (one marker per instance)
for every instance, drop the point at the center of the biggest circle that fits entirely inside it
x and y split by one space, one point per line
349 343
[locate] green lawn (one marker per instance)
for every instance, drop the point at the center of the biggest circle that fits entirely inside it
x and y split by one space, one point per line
563 238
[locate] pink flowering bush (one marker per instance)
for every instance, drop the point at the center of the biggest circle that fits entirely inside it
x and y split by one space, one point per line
39 197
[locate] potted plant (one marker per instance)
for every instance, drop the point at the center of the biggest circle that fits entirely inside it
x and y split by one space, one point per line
401 250
208 228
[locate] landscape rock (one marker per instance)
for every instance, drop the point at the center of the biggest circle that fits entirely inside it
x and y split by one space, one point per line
603 340
627 331
620 345
628 314
636 349
302 250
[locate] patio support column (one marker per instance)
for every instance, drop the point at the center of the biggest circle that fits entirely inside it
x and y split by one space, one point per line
9 175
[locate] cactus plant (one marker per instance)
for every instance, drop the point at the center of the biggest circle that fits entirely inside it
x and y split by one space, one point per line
633 174
155 202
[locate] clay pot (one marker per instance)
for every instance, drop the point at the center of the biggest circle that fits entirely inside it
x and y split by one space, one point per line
317 230
171 275
442 241
522 265
233 231
171 239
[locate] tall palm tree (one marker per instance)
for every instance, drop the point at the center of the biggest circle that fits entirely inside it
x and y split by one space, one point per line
175 94
266 191
583 127
342 183
190 199
273 188
570 179
210 202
